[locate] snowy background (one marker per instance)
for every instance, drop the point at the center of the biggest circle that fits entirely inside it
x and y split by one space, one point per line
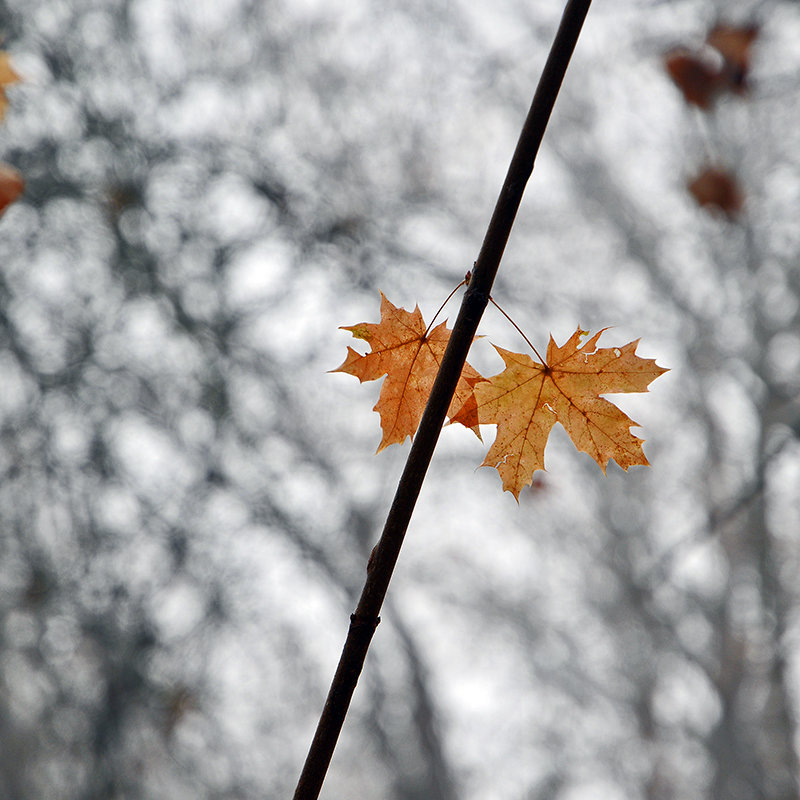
188 498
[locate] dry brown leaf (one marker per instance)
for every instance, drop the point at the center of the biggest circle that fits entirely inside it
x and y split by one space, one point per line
527 399
717 189
409 360
698 80
11 186
701 77
734 43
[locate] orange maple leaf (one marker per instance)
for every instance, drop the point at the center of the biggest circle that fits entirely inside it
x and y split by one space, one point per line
7 77
409 359
699 81
527 399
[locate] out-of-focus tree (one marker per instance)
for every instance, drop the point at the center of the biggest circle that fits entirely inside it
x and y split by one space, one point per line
176 506
707 586
187 501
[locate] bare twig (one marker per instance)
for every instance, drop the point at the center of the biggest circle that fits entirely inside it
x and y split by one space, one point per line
384 557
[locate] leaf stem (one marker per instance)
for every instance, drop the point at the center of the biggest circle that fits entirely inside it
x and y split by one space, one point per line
519 330
428 329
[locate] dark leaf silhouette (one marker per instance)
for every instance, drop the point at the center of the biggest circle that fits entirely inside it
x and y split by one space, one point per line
734 45
698 80
717 190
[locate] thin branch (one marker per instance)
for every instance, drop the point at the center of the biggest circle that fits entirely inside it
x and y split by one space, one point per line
384 557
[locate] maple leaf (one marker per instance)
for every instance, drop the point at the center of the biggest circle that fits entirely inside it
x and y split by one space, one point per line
528 398
409 359
7 77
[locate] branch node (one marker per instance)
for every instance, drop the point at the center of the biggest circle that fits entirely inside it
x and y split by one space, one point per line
477 294
359 621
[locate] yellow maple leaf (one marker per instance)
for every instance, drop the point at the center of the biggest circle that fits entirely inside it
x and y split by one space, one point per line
528 398
409 359
7 76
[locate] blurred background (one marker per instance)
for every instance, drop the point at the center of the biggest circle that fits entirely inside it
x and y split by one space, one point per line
188 499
